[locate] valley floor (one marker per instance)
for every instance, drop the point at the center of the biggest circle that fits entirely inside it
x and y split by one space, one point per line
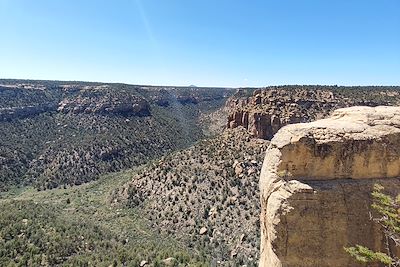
77 226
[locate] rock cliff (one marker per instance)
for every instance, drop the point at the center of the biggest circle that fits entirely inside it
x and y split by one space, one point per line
316 184
123 103
10 113
267 110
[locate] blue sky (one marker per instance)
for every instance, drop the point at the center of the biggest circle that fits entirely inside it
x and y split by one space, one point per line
202 42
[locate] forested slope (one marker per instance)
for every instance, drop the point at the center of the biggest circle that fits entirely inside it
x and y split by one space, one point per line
60 133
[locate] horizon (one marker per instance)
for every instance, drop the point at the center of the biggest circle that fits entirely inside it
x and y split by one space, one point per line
196 86
206 44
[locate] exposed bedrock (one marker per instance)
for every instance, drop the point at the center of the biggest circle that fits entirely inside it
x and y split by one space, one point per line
316 184
10 113
267 110
106 103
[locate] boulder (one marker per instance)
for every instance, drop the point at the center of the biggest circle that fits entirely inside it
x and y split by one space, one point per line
316 185
169 261
203 230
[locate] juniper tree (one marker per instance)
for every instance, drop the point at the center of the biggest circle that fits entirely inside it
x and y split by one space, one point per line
388 216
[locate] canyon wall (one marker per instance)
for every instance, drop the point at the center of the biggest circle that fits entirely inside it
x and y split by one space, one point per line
316 184
265 111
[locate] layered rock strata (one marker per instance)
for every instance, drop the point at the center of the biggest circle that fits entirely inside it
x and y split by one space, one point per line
316 184
10 113
124 104
267 110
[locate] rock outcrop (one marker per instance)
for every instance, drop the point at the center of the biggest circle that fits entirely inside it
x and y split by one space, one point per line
105 103
316 184
11 113
267 110
20 101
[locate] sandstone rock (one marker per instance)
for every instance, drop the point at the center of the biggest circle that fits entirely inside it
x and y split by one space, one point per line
11 113
212 211
203 230
123 103
316 184
169 261
238 169
264 113
241 238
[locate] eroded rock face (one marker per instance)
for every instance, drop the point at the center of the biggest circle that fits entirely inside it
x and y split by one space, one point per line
23 100
105 103
11 113
316 184
267 110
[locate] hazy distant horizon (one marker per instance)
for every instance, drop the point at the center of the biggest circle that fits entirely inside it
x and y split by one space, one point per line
201 86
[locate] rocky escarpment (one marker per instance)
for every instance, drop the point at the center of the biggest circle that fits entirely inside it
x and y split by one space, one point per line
105 102
267 110
21 100
316 184
10 113
27 101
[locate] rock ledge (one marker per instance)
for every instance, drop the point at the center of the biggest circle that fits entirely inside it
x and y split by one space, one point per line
316 182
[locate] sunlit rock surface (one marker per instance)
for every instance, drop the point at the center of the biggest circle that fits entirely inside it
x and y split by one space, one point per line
316 184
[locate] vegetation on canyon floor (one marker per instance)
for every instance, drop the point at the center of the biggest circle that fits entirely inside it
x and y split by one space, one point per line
77 226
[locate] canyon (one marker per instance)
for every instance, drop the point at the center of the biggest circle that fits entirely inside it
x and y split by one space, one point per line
159 167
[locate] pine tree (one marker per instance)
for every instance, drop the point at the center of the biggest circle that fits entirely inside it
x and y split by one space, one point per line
388 216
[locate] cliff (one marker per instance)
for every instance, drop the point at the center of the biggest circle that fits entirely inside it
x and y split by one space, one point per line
108 102
316 184
267 110
10 113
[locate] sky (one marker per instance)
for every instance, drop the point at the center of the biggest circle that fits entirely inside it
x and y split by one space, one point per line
202 42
